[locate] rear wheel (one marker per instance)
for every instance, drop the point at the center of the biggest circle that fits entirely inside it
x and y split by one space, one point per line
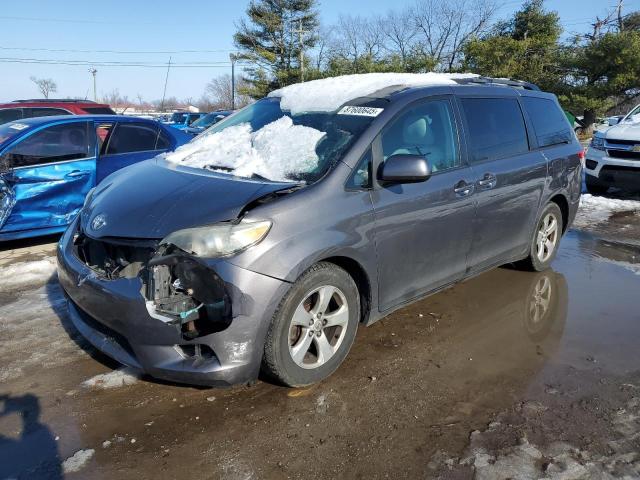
594 187
314 327
546 239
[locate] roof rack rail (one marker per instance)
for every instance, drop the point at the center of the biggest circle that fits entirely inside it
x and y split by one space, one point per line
53 100
498 81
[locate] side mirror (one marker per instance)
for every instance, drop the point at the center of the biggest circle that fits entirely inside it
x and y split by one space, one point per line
404 169
613 121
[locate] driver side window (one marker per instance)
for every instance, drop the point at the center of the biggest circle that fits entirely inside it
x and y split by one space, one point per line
429 130
59 143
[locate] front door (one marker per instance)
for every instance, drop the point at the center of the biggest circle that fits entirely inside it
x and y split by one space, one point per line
423 230
49 174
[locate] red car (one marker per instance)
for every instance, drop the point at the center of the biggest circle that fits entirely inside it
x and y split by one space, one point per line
19 109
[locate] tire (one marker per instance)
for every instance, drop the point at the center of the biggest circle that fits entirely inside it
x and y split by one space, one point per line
305 344
538 262
594 187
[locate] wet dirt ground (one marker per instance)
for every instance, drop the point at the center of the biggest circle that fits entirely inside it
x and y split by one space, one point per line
507 375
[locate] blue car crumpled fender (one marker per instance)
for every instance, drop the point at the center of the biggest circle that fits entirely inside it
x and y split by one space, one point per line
7 201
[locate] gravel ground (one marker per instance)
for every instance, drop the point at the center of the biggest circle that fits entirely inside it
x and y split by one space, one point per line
508 375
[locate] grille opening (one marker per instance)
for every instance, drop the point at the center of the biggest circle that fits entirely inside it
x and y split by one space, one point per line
113 259
626 154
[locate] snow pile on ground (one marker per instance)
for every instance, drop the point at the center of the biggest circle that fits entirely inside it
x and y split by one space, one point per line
118 378
328 94
22 274
595 209
77 460
275 151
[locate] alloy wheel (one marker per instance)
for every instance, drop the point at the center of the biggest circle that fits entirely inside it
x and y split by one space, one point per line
318 327
547 237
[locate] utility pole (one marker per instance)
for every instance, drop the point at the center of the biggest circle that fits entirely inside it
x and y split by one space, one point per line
620 22
300 32
93 72
233 57
166 79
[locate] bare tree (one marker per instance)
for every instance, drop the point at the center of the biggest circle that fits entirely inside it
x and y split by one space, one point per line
443 28
324 40
45 85
357 39
399 32
218 90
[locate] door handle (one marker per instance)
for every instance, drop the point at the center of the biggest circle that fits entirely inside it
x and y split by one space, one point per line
464 189
76 174
488 181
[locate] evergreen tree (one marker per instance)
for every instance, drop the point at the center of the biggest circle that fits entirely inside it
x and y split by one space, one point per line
270 40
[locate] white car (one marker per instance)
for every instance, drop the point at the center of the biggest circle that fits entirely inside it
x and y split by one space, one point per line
613 158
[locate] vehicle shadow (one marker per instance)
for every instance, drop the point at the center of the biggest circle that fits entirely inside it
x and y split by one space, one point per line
34 453
29 242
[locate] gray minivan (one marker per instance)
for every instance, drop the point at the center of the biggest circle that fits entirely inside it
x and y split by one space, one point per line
261 245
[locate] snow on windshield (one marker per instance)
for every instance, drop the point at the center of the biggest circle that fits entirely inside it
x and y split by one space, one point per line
328 94
276 151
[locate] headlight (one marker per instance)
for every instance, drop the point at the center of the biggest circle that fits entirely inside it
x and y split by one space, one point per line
597 143
219 240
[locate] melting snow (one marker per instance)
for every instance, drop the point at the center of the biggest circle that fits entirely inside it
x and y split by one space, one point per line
77 461
118 378
594 209
328 94
27 273
274 152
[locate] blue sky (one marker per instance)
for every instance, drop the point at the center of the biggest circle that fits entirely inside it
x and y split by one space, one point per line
28 26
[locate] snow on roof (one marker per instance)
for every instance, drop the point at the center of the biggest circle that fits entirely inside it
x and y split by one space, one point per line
328 94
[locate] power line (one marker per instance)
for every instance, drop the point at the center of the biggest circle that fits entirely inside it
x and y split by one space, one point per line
141 52
223 64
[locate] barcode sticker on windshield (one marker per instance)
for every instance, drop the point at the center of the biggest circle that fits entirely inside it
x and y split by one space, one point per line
361 111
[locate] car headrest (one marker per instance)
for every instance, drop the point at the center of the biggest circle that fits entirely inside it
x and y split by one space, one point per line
416 131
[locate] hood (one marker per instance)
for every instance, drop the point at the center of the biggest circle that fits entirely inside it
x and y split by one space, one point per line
628 130
154 198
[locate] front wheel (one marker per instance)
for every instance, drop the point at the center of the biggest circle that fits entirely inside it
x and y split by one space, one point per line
313 328
546 239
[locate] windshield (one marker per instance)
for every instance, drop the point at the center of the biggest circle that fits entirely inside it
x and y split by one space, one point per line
178 117
208 119
10 130
262 141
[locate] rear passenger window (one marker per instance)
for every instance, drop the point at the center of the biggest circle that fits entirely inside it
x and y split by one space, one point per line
44 112
496 128
164 142
132 137
549 122
428 130
10 114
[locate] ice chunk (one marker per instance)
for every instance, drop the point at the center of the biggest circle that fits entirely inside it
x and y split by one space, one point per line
328 94
118 378
276 151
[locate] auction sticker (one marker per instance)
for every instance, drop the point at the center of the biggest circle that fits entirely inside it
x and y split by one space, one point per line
18 126
361 111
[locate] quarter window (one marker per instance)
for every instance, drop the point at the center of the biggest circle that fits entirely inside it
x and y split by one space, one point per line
164 142
428 130
549 122
132 137
70 141
496 128
361 177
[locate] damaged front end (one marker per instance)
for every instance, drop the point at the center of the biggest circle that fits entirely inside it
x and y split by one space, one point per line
179 289
7 201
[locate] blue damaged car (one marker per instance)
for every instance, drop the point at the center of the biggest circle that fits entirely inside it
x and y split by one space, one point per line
49 164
